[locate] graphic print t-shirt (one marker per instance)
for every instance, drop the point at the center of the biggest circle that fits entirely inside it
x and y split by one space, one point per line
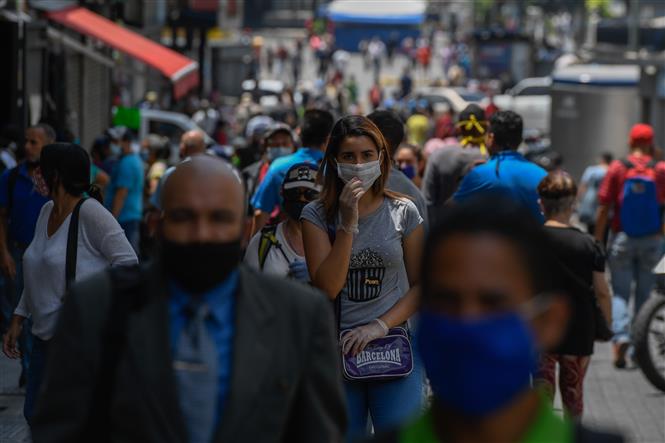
377 277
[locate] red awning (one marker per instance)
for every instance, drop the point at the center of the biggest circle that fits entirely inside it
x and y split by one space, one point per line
182 71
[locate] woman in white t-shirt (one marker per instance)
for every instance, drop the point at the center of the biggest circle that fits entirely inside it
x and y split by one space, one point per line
279 250
101 242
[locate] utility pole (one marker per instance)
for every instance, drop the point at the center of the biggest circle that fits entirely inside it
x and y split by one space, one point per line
634 26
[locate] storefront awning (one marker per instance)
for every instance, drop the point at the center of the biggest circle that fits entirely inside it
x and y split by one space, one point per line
182 71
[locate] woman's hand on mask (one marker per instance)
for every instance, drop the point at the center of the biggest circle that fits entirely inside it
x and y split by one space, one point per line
356 340
348 204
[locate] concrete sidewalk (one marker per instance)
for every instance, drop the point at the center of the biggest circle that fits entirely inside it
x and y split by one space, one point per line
13 428
623 400
619 400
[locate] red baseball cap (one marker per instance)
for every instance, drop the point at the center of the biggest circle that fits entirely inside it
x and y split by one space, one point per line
641 135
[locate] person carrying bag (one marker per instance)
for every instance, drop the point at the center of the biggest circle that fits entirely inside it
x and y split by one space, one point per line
362 244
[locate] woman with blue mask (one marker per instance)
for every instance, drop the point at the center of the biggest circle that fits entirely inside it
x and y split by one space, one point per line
362 245
487 312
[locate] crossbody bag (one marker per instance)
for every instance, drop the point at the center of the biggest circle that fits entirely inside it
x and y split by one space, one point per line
385 358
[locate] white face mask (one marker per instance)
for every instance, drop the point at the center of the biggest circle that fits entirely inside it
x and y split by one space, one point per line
367 173
277 152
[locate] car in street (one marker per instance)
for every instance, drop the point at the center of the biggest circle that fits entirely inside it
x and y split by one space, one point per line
455 98
169 124
531 99
268 92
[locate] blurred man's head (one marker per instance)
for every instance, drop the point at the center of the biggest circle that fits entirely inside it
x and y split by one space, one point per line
192 143
391 126
505 133
202 224
486 299
641 138
606 158
299 188
121 140
409 160
316 128
278 141
472 123
36 137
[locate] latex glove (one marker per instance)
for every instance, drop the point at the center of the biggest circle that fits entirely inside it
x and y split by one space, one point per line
298 270
356 340
348 205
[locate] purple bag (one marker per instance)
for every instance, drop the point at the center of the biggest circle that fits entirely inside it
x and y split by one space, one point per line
385 358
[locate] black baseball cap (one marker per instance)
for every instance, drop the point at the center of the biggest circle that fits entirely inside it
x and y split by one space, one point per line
301 175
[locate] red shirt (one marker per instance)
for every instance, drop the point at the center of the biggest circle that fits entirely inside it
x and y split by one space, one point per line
611 189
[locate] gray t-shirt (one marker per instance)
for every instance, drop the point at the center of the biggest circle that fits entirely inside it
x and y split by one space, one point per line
377 277
399 182
445 169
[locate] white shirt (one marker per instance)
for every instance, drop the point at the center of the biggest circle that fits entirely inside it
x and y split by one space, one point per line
276 263
101 242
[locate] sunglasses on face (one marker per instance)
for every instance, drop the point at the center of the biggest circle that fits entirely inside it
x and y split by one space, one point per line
297 193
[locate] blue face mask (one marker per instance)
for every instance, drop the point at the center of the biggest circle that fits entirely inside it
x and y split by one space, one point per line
409 171
477 366
273 153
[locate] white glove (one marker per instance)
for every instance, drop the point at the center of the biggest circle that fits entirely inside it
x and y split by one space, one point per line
348 205
356 340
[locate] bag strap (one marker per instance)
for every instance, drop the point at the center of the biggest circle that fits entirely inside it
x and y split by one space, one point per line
332 234
72 246
268 240
627 163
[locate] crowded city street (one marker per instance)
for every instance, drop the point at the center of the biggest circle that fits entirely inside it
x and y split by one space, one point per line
332 221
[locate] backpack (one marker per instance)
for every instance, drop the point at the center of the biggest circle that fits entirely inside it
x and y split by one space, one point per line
640 213
267 241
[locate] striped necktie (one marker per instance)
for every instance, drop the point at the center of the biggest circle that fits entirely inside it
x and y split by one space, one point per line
196 369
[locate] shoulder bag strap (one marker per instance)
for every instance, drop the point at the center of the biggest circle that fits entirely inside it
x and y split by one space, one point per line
332 234
72 246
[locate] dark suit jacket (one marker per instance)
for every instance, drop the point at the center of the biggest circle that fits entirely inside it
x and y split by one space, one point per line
285 383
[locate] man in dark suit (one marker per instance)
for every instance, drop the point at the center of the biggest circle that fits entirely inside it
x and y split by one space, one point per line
193 348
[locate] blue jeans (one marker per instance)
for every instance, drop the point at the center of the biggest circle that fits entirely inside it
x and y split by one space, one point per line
35 376
631 261
9 297
132 230
388 403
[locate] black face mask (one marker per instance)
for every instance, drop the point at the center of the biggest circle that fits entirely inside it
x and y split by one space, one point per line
293 208
199 267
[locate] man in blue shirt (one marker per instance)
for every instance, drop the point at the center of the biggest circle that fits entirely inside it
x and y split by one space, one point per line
316 128
211 351
124 196
507 172
22 195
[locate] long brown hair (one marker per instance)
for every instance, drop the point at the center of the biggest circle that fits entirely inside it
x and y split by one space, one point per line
351 126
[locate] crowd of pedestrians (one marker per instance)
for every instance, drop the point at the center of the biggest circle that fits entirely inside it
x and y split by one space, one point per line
341 278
